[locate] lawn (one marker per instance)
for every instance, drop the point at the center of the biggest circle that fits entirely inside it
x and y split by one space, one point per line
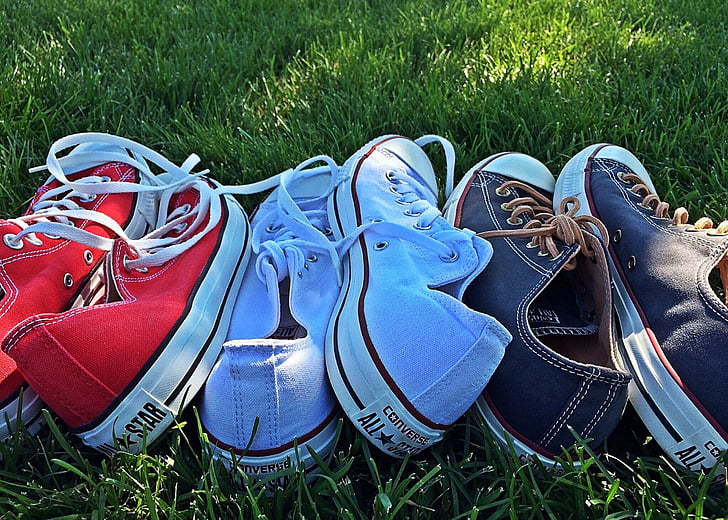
255 87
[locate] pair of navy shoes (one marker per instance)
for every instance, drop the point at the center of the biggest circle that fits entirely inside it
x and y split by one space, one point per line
362 297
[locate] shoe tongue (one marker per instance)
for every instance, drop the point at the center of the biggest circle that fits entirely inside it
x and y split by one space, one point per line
563 308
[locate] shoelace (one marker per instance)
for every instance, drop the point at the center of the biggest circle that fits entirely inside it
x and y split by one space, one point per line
54 210
545 226
679 218
300 236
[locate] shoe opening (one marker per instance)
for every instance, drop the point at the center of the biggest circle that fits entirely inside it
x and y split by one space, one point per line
288 327
569 317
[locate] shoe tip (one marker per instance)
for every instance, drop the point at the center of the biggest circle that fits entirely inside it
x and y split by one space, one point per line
521 167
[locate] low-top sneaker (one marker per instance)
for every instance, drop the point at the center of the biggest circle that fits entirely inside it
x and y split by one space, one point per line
406 358
268 400
548 283
98 184
674 325
117 371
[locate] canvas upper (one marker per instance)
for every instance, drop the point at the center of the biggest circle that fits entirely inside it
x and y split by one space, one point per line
103 186
673 323
405 356
548 283
268 397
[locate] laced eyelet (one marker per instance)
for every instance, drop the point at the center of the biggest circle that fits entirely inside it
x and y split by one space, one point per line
328 232
502 192
542 254
380 245
393 189
453 256
716 234
416 225
125 261
515 222
693 229
505 206
620 176
531 245
88 257
68 280
179 228
617 235
412 213
52 237
400 200
390 176
554 258
272 228
631 263
8 240
90 197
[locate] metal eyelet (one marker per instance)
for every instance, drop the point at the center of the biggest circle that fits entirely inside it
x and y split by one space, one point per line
380 245
554 258
90 197
617 235
400 200
390 176
68 280
505 207
416 225
312 258
8 240
542 254
88 257
453 256
393 189
412 213
105 178
179 228
505 192
328 232
272 228
620 176
518 221
631 263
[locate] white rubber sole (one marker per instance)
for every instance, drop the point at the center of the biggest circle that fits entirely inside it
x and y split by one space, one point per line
671 417
263 467
27 412
359 384
179 372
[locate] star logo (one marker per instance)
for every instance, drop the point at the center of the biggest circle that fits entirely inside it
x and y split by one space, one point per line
385 439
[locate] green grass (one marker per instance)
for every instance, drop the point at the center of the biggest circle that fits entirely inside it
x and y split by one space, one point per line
255 87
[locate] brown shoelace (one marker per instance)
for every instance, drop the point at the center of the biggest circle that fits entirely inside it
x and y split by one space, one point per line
680 219
546 226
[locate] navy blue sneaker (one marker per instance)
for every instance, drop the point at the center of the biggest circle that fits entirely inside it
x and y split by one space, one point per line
675 327
548 284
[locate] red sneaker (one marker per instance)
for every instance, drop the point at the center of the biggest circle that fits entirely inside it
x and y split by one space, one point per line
104 186
118 372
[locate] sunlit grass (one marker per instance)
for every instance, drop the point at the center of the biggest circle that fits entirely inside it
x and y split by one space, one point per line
255 87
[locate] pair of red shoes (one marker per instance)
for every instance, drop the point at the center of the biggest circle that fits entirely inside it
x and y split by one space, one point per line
114 290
